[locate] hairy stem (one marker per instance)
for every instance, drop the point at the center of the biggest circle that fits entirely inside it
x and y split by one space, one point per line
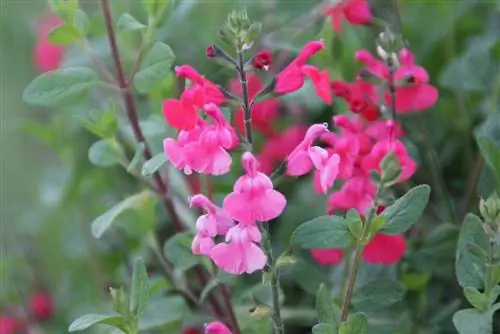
133 119
357 257
246 102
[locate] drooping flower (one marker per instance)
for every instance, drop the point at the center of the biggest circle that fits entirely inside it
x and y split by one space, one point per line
299 161
41 306
413 93
263 113
215 222
253 198
356 12
47 56
240 253
327 167
293 76
216 327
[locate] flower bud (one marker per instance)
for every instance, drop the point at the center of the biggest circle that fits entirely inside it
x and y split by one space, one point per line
490 209
211 51
262 60
41 306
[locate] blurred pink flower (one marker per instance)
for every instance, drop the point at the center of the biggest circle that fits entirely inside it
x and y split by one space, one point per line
47 56
356 12
216 327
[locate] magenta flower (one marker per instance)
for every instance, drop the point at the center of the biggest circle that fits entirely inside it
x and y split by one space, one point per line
47 56
356 12
216 327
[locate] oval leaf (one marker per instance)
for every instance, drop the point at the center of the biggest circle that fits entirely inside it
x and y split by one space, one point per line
103 154
152 165
491 154
328 312
64 35
357 324
128 22
324 329
139 291
322 232
378 294
155 67
178 250
61 87
88 320
471 321
407 209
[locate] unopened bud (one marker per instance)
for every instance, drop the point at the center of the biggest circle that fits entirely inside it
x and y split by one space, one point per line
261 311
262 60
211 51
490 209
285 260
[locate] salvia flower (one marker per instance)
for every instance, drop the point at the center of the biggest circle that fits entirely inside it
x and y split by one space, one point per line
262 60
216 327
47 56
41 306
356 12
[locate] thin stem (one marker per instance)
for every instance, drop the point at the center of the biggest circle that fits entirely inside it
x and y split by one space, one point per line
246 102
357 257
345 271
229 308
136 129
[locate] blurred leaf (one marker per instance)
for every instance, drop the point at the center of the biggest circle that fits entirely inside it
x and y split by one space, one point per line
322 233
415 281
208 288
102 123
64 35
139 291
477 299
60 88
88 320
324 329
82 22
104 154
102 223
491 154
152 165
471 321
378 294
128 22
470 268
155 66
357 324
177 249
406 210
307 276
162 312
139 151
328 312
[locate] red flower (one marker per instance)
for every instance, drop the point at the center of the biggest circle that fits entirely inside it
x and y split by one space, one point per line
262 60
327 257
356 12
385 249
10 325
41 306
181 114
47 56
210 51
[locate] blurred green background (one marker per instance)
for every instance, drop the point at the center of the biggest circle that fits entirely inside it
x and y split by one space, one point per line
50 193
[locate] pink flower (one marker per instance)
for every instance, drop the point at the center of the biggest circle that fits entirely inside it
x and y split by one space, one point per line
292 77
327 167
347 148
10 325
41 306
381 149
327 257
215 222
413 93
262 60
47 56
216 327
299 161
181 114
263 113
356 193
356 12
211 93
385 249
240 254
253 198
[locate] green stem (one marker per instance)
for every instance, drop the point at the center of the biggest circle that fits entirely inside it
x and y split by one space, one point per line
357 257
246 102
345 271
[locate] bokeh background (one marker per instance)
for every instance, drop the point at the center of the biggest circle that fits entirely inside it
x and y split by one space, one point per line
50 192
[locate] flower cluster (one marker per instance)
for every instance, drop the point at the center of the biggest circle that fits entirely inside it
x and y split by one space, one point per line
47 56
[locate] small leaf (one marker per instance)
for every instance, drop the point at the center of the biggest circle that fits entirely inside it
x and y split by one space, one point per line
102 123
495 292
137 158
162 312
61 87
378 294
102 153
477 299
128 22
471 321
324 329
491 154
152 165
102 223
178 250
322 232
155 67
88 320
328 312
82 22
139 291
406 210
208 289
357 324
470 268
64 35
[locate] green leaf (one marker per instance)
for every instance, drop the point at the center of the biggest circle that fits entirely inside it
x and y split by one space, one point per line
208 288
155 67
60 88
324 329
177 249
102 123
82 22
472 321
128 22
162 312
415 281
88 320
322 232
357 324
139 151
328 312
470 268
407 209
477 299
378 294
64 35
495 292
152 165
139 291
104 153
102 223
491 154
